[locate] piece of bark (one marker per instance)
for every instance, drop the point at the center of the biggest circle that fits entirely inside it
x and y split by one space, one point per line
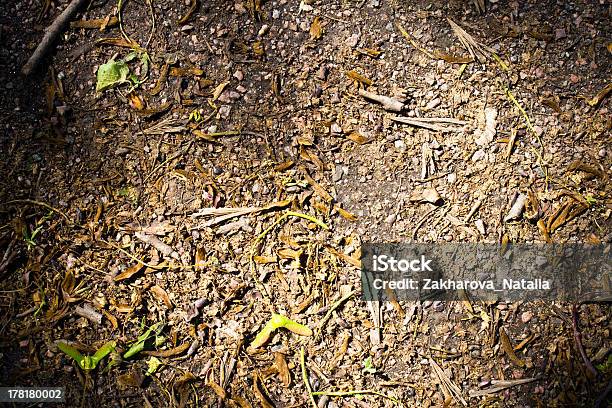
89 313
517 208
165 249
51 34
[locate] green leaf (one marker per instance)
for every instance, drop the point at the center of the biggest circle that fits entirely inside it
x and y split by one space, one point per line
138 346
154 364
103 352
368 367
71 352
276 322
111 74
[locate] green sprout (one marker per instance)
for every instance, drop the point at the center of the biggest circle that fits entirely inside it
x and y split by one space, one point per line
368 367
276 322
139 344
87 362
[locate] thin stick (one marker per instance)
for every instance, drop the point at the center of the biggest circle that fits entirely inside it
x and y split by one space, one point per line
305 378
39 203
52 32
578 339
355 392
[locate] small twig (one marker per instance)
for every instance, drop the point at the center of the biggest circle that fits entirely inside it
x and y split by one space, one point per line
305 378
52 32
388 103
421 221
334 307
355 392
39 203
578 340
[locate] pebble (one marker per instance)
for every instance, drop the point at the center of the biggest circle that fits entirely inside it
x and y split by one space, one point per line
438 306
353 40
275 14
335 128
239 75
480 226
338 173
121 151
526 316
478 155
399 144
433 103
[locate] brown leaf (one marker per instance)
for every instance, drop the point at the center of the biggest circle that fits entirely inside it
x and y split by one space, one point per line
136 101
358 138
182 72
316 30
160 294
101 23
217 389
345 214
507 347
260 393
359 78
318 189
168 353
129 272
283 369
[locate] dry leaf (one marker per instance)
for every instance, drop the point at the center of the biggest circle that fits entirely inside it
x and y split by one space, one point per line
283 369
160 294
359 78
219 89
315 29
345 214
136 101
507 347
358 138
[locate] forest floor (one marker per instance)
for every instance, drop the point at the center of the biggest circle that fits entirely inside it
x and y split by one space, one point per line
236 170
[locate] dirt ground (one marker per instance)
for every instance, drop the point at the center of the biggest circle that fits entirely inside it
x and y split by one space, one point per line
237 173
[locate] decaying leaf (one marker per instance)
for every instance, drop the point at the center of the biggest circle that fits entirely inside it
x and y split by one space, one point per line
358 138
136 101
219 89
506 345
182 72
161 295
355 76
283 369
600 95
129 272
316 30
260 391
345 214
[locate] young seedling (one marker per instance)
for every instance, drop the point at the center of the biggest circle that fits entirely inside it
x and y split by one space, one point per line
87 362
139 345
276 322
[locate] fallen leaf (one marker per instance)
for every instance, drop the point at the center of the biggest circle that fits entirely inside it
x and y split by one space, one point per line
315 29
160 294
359 78
283 369
358 138
129 272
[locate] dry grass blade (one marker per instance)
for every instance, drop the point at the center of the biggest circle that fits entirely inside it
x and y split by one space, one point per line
166 126
436 124
499 386
447 383
478 51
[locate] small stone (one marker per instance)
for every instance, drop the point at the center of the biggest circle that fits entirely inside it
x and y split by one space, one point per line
399 144
241 89
438 306
121 151
353 40
338 173
263 30
480 226
335 128
433 103
186 28
560 33
526 316
451 178
478 155
275 14
239 75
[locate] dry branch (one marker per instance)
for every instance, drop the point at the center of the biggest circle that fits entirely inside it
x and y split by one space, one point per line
51 34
